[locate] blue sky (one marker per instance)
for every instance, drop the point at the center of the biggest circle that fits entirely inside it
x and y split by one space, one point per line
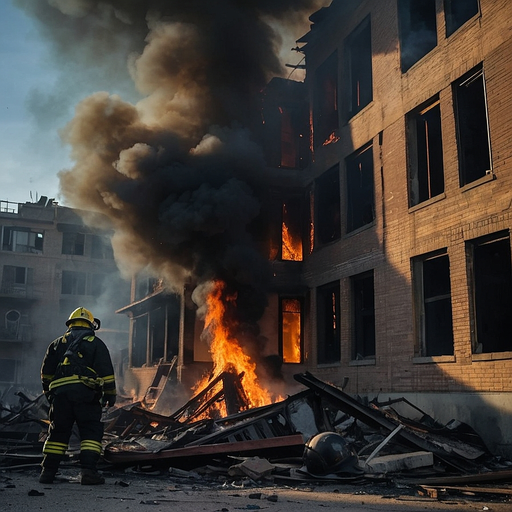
30 154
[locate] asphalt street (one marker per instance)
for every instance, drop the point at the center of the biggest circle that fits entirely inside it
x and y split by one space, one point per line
20 491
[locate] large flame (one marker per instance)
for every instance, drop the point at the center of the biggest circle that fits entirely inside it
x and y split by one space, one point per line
226 351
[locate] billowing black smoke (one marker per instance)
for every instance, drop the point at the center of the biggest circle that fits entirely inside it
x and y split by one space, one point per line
177 172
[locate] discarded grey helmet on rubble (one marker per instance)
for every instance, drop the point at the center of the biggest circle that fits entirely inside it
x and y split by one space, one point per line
329 452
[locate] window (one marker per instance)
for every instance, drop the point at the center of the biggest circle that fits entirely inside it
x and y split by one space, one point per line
433 304
291 330
8 370
291 230
101 248
363 304
327 203
73 283
425 153
22 240
328 323
325 104
360 195
457 12
359 52
472 126
73 243
97 284
418 32
490 277
139 341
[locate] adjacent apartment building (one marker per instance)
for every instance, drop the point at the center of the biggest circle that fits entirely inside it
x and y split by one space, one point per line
50 264
390 219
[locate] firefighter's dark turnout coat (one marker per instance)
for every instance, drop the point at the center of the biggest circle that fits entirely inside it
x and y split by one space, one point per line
78 378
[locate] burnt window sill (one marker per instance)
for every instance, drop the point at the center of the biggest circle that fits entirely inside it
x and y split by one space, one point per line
427 202
490 176
363 362
492 356
433 359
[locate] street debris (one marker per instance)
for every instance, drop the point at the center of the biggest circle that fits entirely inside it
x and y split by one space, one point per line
320 435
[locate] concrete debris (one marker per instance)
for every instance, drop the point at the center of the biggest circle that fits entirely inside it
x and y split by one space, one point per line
267 444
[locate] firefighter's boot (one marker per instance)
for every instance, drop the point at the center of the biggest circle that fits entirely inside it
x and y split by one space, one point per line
91 477
89 474
47 476
50 466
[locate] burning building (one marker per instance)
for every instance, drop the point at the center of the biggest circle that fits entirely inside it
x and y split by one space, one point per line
356 224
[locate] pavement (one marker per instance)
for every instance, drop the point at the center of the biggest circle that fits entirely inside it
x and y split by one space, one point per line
162 491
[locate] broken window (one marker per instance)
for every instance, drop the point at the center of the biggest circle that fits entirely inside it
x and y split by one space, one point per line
490 277
425 153
101 248
73 283
157 334
8 370
291 330
139 345
360 194
291 230
14 278
363 304
418 31
22 240
327 203
328 323
325 103
457 12
433 304
472 126
97 284
73 243
359 55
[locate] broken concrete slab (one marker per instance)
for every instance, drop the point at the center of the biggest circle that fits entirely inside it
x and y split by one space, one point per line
399 462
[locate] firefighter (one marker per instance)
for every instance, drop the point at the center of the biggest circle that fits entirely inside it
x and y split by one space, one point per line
78 380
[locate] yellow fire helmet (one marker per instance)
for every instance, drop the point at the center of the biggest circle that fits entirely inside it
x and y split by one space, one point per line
83 317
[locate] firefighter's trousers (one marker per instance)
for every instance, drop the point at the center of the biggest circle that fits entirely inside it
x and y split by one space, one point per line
66 409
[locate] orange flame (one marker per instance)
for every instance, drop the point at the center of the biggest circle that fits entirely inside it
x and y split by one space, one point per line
291 246
227 352
333 138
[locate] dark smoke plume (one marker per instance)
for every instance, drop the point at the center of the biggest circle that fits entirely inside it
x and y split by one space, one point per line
178 171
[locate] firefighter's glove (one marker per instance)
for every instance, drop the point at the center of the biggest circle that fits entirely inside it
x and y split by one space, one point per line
108 400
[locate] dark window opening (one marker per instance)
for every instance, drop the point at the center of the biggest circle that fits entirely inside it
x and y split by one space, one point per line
457 12
8 370
425 151
363 302
73 243
101 248
139 341
360 193
291 330
288 140
359 51
418 32
157 334
472 127
492 294
325 106
328 323
291 230
22 240
73 283
327 202
97 284
433 305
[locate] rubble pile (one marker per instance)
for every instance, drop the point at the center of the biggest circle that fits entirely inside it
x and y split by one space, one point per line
390 442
